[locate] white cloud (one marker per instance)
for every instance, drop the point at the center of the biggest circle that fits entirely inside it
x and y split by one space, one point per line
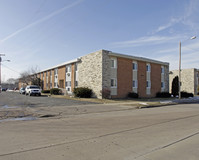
189 53
41 20
187 18
150 40
172 22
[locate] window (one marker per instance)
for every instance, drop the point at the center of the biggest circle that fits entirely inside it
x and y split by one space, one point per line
113 63
148 84
148 67
135 84
56 71
75 66
113 83
68 68
162 70
76 83
68 83
50 72
43 75
162 84
135 66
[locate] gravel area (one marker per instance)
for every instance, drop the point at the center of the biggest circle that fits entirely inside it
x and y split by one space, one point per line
13 99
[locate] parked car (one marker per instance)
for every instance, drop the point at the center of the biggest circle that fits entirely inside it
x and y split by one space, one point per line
22 90
33 90
3 89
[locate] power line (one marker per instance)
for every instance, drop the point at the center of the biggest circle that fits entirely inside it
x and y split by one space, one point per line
10 68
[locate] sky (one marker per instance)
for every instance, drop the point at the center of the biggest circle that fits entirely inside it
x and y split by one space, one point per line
43 33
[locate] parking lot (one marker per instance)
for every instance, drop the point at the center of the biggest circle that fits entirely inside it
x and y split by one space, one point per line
16 99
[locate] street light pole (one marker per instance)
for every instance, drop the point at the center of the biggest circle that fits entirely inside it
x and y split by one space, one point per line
179 80
0 69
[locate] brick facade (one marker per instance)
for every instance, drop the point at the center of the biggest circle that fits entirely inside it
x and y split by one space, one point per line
61 76
96 72
142 79
124 77
155 79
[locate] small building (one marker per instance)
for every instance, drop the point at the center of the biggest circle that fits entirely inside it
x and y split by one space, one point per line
189 79
116 72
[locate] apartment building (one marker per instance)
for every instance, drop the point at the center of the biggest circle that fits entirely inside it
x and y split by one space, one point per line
189 79
102 69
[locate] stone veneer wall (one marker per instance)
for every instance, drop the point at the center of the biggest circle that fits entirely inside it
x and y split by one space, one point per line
187 79
90 72
106 70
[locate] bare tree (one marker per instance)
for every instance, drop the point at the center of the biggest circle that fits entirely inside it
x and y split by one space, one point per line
30 76
11 81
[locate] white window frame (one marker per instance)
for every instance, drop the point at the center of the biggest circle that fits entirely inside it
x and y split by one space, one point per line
114 60
148 84
136 66
76 67
162 85
148 67
68 68
162 69
114 82
136 84
56 71
68 84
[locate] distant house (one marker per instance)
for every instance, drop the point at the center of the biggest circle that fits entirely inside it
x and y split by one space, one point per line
104 69
189 79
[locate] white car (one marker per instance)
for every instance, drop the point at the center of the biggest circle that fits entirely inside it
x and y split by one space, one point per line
33 90
22 90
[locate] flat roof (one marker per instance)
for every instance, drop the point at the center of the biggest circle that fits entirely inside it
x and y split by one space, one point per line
137 58
111 54
60 65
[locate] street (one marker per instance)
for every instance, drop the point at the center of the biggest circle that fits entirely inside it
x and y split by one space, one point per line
104 132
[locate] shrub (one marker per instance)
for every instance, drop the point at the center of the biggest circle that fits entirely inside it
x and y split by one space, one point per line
186 94
163 95
175 86
45 91
198 89
83 92
105 93
55 91
133 95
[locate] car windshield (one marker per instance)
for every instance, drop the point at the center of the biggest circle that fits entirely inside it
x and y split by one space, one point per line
34 87
22 88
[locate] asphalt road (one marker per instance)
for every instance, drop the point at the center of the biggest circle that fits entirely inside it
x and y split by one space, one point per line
16 99
166 133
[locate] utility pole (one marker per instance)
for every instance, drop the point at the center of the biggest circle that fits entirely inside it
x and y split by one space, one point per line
0 69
